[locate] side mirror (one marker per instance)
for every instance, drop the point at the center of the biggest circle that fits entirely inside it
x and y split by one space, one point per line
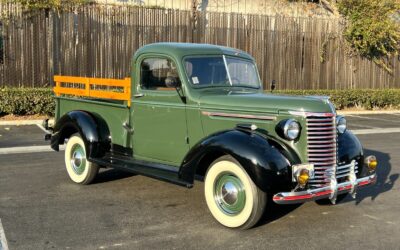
273 85
172 82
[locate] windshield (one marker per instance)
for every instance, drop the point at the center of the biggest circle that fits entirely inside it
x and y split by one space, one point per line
221 71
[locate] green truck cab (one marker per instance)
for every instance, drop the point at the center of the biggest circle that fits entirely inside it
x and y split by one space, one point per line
199 112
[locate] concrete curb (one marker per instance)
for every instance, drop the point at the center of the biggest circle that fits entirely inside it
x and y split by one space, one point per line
367 112
20 122
28 149
23 122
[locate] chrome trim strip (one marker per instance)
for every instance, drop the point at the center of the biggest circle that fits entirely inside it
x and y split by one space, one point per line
322 137
326 145
321 150
316 120
345 174
319 133
305 114
331 155
332 163
243 116
322 128
320 124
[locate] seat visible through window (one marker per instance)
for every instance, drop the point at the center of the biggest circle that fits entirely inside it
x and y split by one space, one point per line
154 72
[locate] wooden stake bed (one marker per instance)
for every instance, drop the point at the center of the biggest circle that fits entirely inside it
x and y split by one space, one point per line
114 89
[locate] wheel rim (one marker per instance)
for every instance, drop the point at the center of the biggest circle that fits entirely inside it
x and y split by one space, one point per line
78 159
229 194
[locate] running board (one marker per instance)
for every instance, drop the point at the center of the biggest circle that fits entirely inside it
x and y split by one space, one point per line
154 170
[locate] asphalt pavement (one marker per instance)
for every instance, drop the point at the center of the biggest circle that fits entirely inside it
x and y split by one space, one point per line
40 208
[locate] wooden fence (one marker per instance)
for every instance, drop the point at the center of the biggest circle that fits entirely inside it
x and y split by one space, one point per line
96 41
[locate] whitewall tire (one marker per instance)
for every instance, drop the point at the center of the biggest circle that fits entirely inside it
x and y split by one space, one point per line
232 197
79 169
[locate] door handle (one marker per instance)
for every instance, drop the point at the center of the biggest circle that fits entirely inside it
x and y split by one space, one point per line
138 95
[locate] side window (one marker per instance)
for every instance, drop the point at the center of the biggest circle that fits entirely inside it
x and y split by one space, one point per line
155 71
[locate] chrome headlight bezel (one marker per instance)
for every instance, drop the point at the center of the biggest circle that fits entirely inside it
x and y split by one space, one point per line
291 129
341 124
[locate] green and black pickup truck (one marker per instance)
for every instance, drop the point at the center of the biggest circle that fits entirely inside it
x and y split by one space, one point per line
199 112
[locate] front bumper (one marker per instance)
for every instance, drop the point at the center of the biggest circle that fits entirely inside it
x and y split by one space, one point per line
329 192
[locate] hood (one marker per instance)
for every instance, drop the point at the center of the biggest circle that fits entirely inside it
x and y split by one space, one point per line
257 101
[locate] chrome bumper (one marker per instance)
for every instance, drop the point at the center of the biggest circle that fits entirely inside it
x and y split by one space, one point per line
329 192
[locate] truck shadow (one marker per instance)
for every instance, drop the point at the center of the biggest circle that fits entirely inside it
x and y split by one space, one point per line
385 181
274 211
107 175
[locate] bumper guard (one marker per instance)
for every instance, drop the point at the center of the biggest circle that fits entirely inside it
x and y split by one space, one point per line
330 191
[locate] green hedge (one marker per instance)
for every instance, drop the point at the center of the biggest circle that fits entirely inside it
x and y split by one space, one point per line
26 101
30 101
356 98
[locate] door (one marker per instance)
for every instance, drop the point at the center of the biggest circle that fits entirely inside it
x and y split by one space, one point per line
159 115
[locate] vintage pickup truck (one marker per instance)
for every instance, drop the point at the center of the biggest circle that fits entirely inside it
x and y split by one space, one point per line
199 112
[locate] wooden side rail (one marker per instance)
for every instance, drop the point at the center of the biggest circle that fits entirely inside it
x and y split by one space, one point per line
94 87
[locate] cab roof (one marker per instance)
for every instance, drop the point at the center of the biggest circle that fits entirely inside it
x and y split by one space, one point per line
180 50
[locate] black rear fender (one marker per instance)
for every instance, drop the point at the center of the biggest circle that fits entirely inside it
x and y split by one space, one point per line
93 130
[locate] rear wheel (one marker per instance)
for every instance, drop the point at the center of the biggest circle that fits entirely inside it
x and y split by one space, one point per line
79 169
232 197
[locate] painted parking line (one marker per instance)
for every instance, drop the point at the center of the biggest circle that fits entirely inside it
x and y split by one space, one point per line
43 129
3 240
374 118
375 131
363 126
30 149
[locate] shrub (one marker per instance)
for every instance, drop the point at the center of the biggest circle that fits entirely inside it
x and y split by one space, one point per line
26 101
356 98
30 101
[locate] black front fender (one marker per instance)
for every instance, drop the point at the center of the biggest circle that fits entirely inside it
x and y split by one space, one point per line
93 130
264 163
350 148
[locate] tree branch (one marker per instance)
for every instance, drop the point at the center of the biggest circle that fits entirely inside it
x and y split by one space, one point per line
330 7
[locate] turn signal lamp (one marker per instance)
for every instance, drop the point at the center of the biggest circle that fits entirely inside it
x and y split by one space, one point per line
303 177
371 163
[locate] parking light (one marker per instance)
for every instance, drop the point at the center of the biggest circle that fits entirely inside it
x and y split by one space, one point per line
371 163
303 177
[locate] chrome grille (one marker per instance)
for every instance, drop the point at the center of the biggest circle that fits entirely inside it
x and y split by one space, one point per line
322 147
343 170
322 150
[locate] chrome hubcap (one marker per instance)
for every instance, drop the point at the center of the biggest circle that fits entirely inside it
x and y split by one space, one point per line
78 159
229 194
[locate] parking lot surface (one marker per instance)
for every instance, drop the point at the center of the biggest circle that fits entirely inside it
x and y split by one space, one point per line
40 208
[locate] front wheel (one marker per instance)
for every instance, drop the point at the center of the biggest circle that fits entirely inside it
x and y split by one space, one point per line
79 169
232 197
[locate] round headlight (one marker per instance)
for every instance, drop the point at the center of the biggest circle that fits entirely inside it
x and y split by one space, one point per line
341 124
291 129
